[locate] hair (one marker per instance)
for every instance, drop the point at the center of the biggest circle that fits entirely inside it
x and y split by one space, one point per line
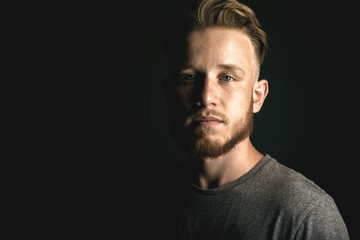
199 14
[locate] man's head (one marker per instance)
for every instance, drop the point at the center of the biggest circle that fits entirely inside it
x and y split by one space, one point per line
215 50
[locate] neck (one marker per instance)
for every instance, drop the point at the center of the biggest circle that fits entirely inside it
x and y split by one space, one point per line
216 172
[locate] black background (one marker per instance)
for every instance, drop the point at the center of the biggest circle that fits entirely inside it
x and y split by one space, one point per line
88 120
305 120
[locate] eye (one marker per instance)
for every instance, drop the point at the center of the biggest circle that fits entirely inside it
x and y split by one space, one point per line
188 77
227 78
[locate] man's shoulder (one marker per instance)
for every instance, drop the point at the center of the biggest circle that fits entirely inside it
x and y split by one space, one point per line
288 186
173 177
301 202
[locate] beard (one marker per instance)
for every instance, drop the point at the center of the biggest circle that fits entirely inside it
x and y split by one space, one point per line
198 142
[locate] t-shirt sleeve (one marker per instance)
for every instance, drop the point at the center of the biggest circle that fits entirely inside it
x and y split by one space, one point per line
322 221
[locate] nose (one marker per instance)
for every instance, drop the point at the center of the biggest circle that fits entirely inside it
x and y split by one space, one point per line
208 93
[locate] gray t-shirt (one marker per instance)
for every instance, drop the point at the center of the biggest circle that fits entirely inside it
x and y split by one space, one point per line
271 201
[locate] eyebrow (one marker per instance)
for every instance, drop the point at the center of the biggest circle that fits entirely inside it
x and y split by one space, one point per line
231 67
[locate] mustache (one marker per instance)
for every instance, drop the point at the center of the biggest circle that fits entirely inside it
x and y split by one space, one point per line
207 112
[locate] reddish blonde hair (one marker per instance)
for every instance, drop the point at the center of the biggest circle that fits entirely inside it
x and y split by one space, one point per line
208 13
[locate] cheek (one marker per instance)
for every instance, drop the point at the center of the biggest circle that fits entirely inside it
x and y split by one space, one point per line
238 105
184 94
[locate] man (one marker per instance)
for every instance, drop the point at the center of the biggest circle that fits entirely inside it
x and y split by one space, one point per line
229 190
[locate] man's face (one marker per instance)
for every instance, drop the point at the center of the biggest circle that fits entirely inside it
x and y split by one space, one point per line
213 91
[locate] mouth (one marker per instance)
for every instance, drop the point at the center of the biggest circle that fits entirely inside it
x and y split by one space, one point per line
207 121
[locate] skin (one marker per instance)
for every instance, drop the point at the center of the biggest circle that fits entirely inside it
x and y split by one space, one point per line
225 61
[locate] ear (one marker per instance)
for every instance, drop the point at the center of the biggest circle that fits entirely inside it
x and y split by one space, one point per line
260 91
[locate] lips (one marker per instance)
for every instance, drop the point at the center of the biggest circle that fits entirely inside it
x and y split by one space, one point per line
208 120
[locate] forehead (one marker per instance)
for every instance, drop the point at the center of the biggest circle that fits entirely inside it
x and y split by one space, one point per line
218 45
